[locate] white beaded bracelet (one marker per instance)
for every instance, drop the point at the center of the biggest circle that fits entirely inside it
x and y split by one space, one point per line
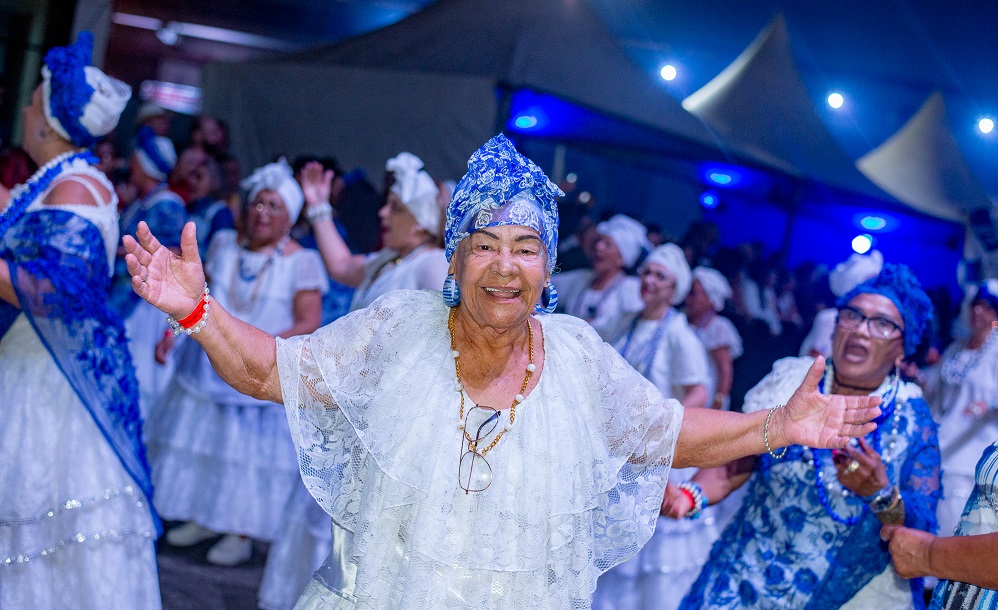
319 211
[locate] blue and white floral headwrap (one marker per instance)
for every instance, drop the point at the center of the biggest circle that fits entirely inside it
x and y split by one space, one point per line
502 187
80 102
899 284
156 154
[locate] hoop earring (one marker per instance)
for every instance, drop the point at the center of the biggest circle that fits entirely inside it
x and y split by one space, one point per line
552 299
451 293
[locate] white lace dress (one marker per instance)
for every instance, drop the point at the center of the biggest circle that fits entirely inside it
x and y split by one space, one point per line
963 438
220 458
604 308
304 540
577 484
659 576
66 502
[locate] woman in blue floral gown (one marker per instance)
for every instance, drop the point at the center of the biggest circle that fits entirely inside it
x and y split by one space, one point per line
808 533
76 525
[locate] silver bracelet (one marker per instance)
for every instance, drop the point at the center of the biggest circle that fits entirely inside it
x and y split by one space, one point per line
765 434
319 211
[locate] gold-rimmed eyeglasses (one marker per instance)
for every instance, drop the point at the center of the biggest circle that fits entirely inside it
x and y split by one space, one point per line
474 472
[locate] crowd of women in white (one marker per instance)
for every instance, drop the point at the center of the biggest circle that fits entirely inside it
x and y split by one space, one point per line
223 463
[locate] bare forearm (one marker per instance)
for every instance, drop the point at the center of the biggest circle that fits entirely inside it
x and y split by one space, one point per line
342 265
695 398
970 559
717 483
725 370
7 293
711 438
244 356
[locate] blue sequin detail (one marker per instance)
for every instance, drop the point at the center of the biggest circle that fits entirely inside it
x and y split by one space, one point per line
69 91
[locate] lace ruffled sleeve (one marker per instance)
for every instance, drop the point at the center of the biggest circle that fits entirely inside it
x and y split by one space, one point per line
920 474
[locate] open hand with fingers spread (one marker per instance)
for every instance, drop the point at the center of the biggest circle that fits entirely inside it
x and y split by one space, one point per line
171 283
316 183
826 421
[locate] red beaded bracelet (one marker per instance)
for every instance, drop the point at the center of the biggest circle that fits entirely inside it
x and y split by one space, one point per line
194 321
689 496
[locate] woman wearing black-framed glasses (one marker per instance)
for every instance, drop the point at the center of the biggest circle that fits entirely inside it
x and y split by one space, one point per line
808 532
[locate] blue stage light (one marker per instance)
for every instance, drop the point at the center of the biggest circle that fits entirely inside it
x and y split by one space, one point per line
526 121
709 200
861 244
873 223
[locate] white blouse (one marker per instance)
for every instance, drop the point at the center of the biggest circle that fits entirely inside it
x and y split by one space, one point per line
577 480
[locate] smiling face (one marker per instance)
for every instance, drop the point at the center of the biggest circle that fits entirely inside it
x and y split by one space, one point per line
399 230
500 272
267 220
861 359
657 285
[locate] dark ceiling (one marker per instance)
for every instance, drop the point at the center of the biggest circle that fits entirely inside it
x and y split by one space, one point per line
885 56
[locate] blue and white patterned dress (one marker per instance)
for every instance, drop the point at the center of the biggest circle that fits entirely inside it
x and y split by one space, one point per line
76 526
979 517
784 550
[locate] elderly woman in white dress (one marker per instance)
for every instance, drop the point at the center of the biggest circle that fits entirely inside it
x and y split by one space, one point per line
603 294
223 461
412 222
76 525
659 344
708 293
965 399
411 226
469 453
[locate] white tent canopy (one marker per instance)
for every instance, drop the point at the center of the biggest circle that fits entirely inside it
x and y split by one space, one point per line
922 166
759 104
426 84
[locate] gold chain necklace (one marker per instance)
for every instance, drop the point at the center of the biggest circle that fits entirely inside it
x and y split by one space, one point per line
460 388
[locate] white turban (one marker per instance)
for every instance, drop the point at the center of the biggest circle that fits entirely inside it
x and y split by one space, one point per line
673 258
276 177
417 191
156 156
854 271
714 284
630 236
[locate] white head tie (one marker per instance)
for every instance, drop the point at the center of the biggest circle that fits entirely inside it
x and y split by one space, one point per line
417 191
673 258
715 285
854 271
276 177
630 236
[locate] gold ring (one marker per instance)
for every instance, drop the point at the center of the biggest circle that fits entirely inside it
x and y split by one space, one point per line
852 467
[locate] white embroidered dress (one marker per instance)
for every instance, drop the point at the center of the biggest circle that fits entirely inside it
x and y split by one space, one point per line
577 485
220 458
303 541
603 308
659 576
66 501
963 438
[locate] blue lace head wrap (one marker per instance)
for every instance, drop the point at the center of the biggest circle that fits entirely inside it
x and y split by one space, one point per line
156 154
80 102
502 187
899 284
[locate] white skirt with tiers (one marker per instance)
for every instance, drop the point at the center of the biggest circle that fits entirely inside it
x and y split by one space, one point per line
75 530
228 466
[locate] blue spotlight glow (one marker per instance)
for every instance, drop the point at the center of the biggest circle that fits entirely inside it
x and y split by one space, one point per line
717 174
709 200
526 121
986 125
861 244
873 223
668 72
835 100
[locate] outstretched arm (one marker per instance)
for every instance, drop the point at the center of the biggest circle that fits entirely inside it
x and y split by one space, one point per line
712 438
969 559
343 266
243 355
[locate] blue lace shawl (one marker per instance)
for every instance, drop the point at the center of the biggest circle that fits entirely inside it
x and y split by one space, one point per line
58 268
782 550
